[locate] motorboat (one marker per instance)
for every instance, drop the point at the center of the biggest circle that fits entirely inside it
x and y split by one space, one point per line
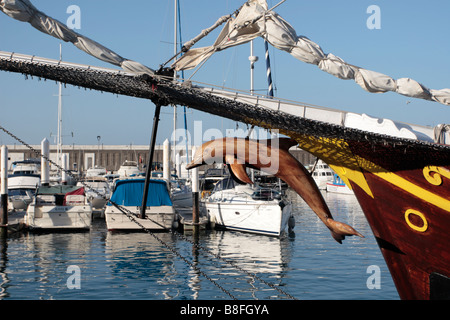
22 183
129 169
97 191
59 207
322 174
96 171
244 208
123 210
338 186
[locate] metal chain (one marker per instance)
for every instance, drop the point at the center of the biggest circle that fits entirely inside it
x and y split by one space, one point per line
129 214
193 266
132 217
234 265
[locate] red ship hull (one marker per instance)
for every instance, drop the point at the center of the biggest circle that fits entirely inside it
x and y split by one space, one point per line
406 200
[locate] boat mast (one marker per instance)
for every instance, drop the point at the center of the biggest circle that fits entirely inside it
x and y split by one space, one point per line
175 41
252 59
177 27
59 130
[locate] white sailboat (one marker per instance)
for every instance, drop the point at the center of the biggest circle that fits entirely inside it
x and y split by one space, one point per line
243 208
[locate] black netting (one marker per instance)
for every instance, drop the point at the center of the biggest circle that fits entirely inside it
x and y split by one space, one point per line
163 92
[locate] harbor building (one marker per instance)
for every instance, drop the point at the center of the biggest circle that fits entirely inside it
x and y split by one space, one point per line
111 157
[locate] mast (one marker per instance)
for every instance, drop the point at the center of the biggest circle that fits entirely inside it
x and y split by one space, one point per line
178 36
175 41
59 130
252 59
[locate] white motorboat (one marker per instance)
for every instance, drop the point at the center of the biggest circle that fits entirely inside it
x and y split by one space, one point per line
96 172
22 183
127 194
59 207
129 169
243 208
98 191
322 174
338 186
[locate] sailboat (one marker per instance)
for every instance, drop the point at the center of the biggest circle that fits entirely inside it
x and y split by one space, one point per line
404 196
247 209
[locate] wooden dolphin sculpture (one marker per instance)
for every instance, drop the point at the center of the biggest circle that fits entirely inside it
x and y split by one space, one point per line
272 157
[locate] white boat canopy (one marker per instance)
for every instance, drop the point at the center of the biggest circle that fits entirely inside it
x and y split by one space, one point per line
256 20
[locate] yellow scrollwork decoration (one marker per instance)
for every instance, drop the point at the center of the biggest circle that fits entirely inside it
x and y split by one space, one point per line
434 175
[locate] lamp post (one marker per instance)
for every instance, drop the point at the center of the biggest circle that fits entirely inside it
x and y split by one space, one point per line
98 149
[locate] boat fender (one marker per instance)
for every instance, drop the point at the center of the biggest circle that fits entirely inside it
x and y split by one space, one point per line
176 222
291 222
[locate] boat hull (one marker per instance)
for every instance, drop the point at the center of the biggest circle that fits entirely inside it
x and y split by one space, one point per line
412 234
405 198
338 188
263 218
157 218
58 217
182 199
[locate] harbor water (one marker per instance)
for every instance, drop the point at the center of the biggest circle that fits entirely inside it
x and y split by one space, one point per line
103 265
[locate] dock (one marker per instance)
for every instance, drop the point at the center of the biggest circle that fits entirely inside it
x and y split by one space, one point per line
16 221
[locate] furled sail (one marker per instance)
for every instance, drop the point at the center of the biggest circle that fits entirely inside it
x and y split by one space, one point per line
256 20
24 11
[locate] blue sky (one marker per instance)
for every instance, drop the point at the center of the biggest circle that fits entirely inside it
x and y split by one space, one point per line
412 42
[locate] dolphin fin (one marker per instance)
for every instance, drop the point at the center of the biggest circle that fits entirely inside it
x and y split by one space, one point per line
238 171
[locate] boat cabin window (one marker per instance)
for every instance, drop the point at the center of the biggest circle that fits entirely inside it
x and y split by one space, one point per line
21 192
266 194
225 184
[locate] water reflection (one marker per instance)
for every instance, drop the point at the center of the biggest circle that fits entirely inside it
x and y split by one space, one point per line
328 270
311 265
